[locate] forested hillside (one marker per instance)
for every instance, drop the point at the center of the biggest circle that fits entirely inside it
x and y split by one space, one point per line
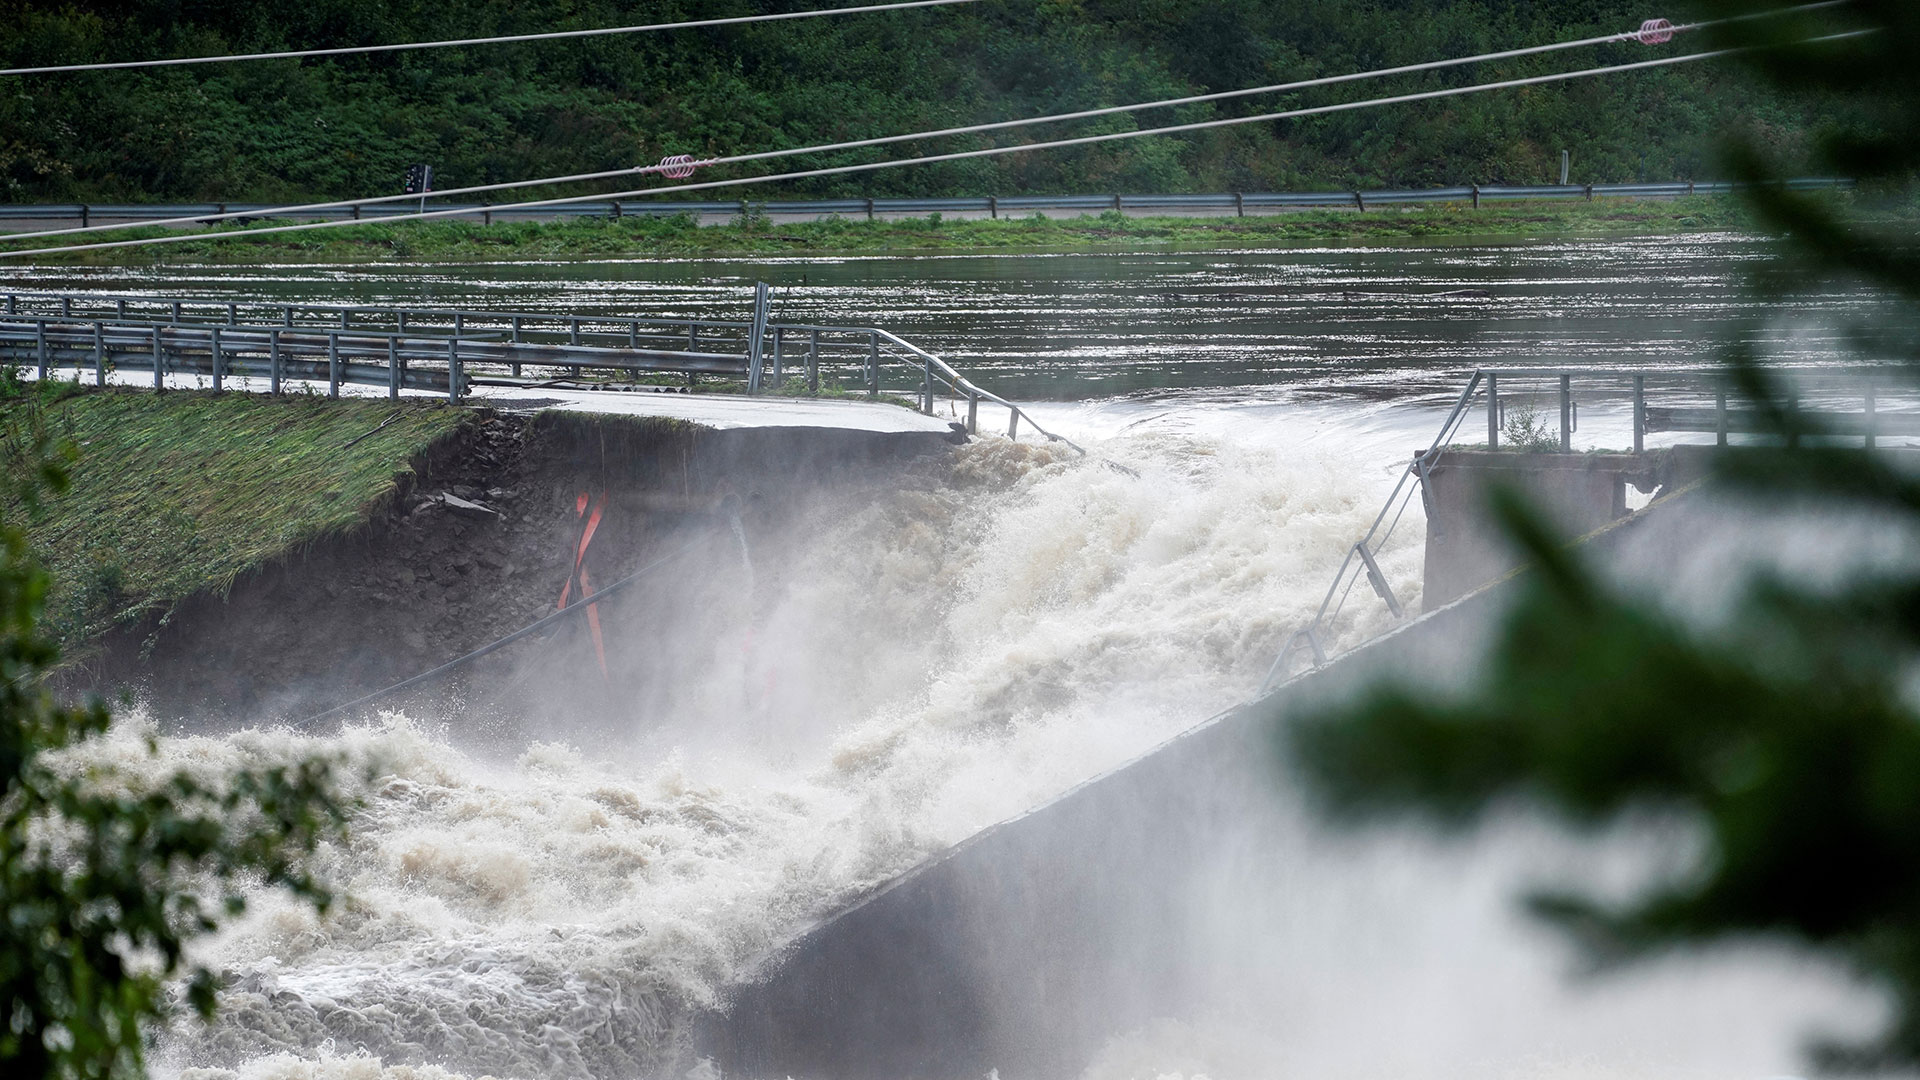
346 127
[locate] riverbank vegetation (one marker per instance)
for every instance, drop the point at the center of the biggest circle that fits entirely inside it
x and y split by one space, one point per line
350 126
177 493
111 865
681 236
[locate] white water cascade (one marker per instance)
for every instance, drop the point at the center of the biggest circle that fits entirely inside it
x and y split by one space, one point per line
920 666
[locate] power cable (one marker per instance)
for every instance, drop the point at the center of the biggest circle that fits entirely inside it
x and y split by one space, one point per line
995 151
1655 31
552 35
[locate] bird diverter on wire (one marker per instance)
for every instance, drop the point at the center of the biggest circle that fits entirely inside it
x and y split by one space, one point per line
1655 32
675 166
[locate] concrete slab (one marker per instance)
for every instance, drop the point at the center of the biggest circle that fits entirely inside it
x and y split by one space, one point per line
719 411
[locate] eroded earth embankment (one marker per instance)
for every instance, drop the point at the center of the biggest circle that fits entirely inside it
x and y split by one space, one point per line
481 535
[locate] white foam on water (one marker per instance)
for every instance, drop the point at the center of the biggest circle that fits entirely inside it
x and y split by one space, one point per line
925 664
1036 622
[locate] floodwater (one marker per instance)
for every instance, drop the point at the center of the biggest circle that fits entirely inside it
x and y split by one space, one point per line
551 910
1210 326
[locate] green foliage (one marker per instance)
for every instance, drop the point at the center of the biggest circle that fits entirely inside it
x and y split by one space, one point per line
1789 736
1523 429
1788 732
105 877
290 130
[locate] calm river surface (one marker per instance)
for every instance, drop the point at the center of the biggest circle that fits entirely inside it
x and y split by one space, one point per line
1200 327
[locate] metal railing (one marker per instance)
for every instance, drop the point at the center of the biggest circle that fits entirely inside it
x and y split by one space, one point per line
1223 203
1814 403
452 349
335 357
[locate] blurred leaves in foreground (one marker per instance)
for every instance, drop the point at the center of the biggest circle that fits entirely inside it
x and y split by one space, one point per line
105 874
1789 733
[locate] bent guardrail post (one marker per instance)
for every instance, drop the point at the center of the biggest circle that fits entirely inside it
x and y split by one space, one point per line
1415 471
1640 414
1566 413
756 335
962 384
1493 412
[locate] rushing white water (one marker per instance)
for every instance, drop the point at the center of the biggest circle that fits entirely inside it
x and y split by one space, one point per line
919 666
553 912
909 669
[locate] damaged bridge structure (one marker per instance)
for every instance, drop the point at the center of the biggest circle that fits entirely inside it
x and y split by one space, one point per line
1033 944
1651 432
457 352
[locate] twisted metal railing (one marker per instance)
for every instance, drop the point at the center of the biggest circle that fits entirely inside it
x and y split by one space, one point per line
1807 403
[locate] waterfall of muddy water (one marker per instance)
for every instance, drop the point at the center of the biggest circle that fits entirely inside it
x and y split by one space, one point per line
951 656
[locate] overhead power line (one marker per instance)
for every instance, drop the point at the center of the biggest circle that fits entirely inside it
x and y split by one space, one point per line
554 35
1649 33
994 151
934 158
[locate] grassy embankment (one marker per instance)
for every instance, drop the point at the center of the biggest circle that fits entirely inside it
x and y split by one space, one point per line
179 493
680 236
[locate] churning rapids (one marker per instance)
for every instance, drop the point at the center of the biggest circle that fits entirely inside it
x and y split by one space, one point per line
555 913
547 911
923 665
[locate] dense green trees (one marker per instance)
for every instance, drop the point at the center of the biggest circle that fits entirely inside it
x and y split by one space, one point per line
345 127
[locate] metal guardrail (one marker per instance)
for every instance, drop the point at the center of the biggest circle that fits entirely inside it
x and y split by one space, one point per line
1227 203
435 365
1817 401
448 350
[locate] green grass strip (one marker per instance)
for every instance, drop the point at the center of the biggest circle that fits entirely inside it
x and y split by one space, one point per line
180 492
681 236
